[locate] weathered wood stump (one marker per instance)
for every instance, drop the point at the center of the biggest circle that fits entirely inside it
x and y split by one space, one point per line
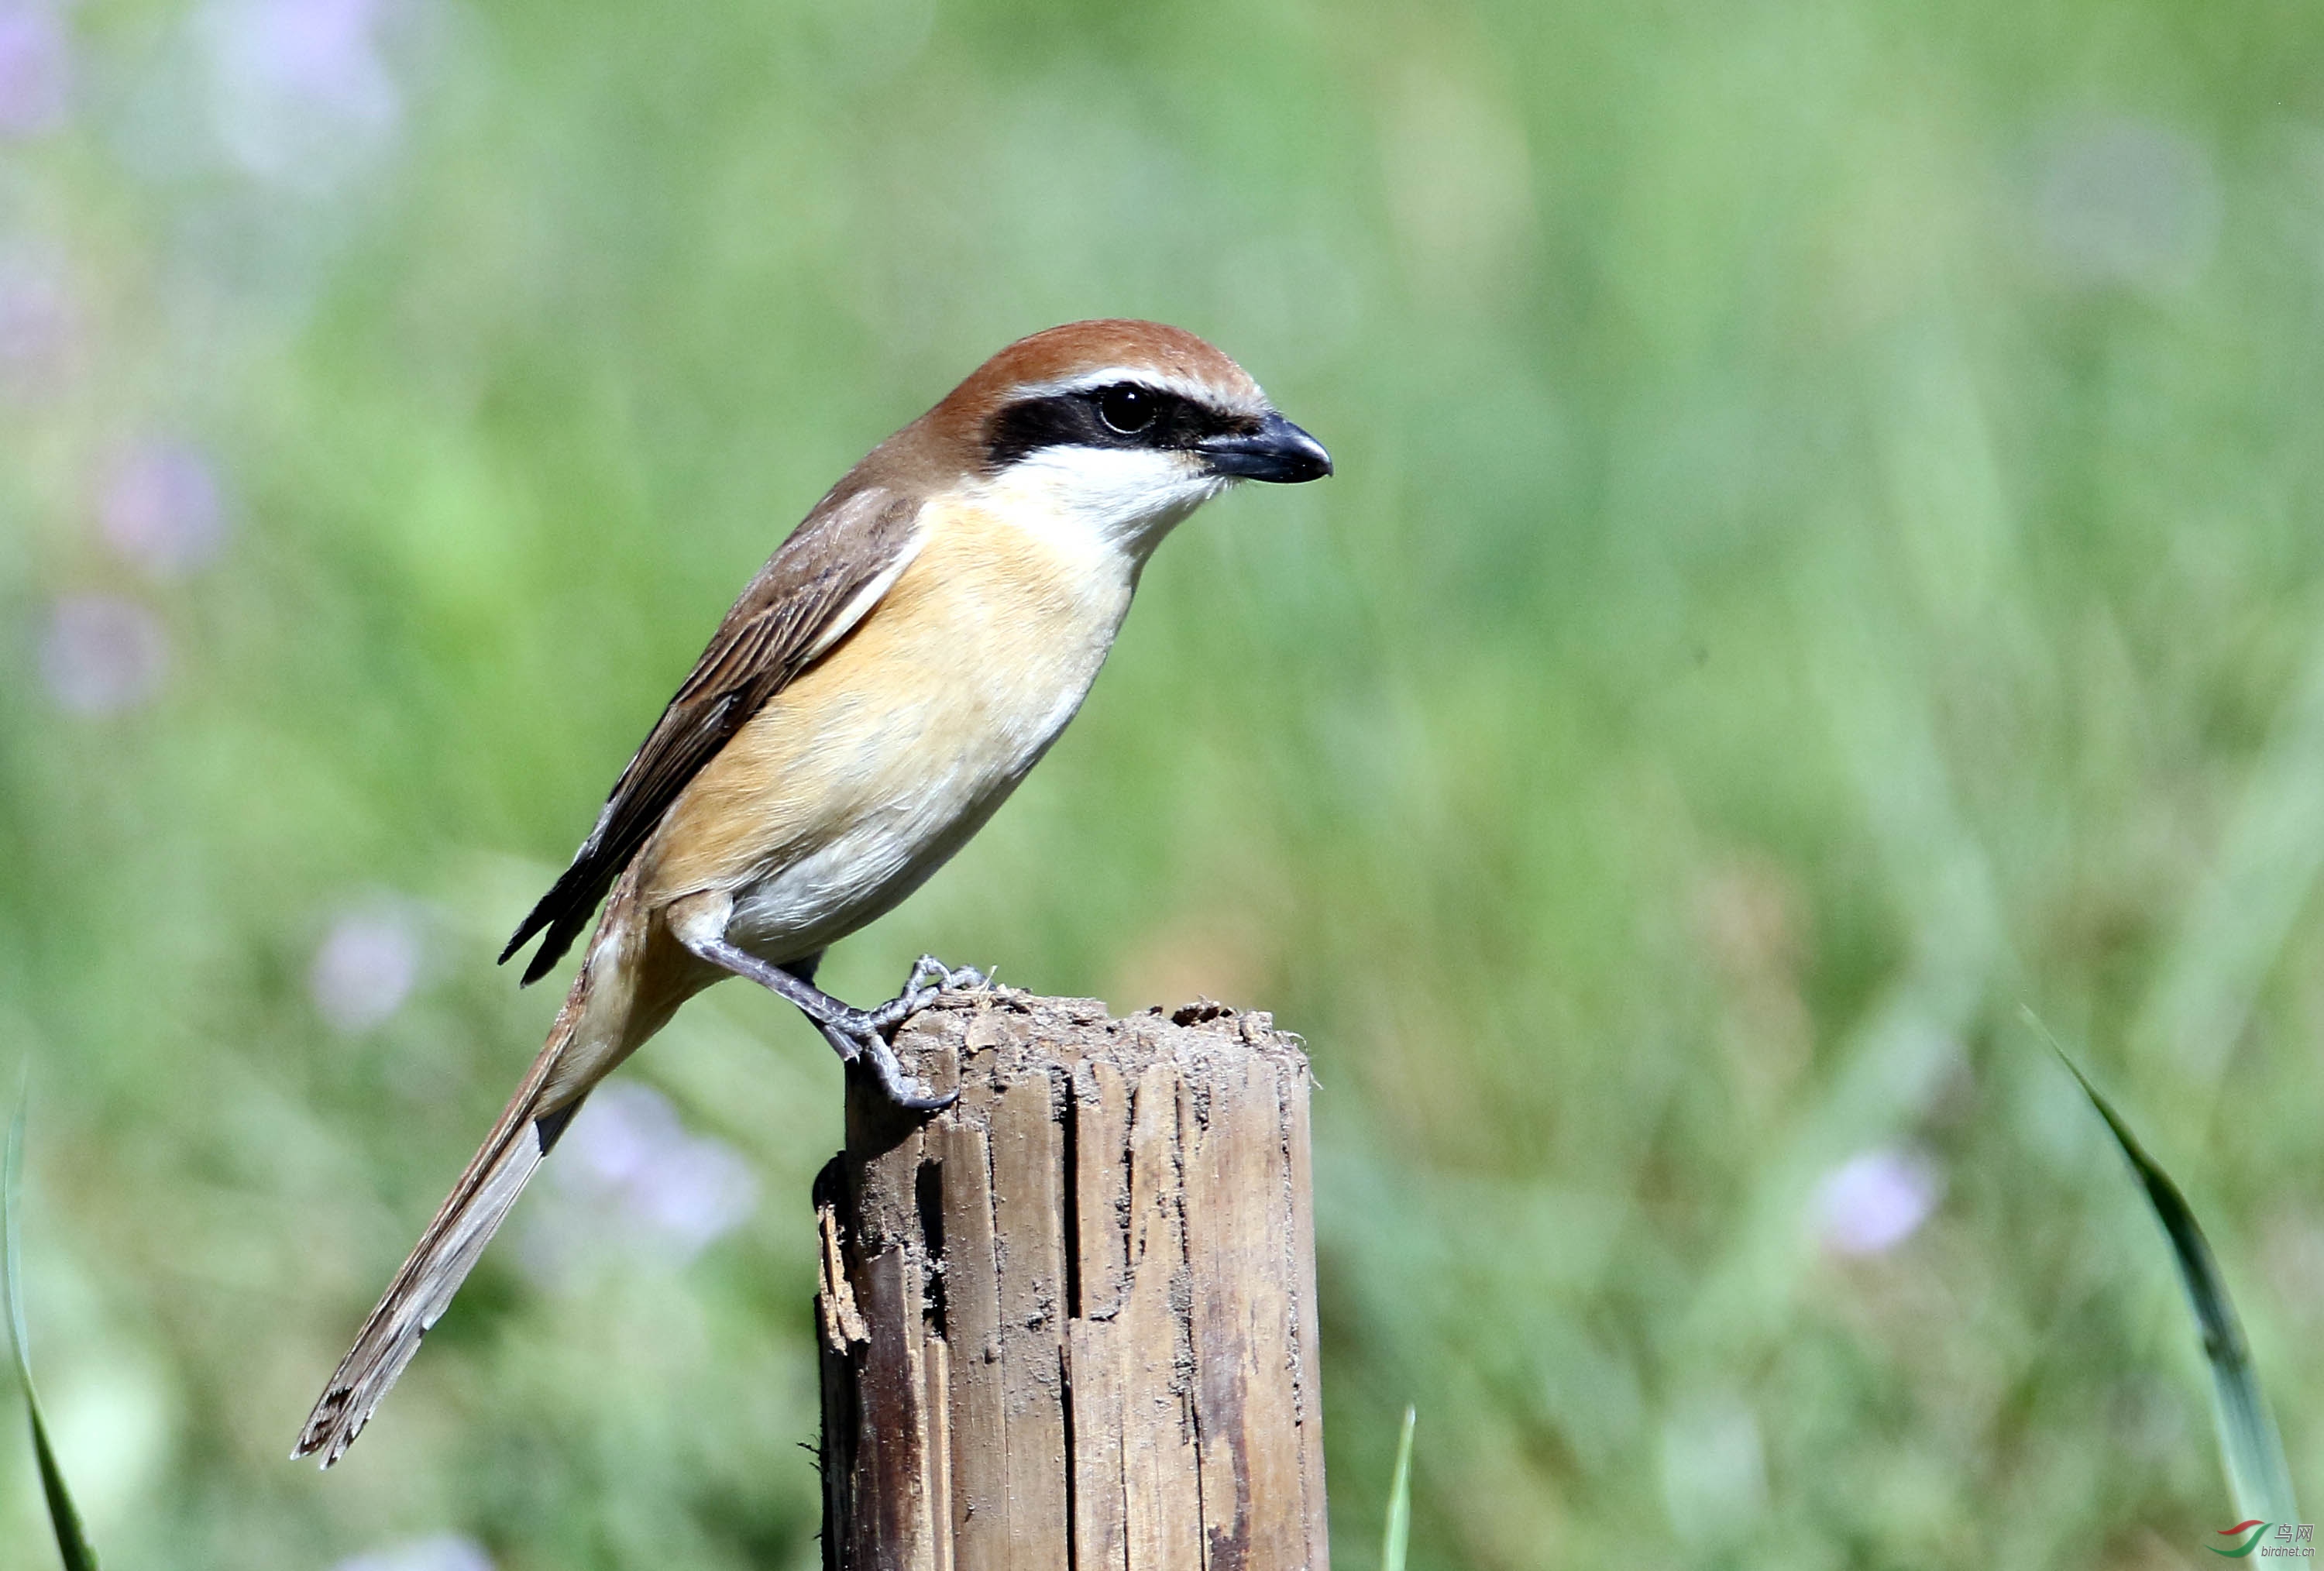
1070 1322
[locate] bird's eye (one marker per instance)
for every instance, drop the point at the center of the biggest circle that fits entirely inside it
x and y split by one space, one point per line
1126 409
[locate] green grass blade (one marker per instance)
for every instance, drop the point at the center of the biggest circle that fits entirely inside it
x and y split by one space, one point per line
72 1542
1398 1531
2249 1444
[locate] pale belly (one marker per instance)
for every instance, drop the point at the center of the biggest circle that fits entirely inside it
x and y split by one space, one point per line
892 842
862 777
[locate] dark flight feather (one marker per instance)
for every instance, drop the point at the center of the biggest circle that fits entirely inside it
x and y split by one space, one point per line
770 637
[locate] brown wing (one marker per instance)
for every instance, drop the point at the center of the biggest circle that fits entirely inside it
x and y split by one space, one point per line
815 587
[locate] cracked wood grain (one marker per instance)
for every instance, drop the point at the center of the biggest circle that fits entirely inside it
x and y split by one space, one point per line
1070 1322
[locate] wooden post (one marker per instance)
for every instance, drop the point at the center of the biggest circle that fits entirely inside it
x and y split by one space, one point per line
1069 1323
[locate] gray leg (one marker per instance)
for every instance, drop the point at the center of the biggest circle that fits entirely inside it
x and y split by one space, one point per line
848 1047
854 1034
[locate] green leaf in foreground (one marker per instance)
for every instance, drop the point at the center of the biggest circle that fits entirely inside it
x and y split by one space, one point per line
1398 1531
2248 1443
72 1543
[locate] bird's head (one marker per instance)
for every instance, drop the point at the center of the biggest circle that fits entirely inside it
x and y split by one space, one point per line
1119 428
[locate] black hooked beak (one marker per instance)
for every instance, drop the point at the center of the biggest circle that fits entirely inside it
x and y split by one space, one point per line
1278 451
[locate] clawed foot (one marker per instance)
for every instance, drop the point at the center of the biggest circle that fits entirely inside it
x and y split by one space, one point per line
865 1036
928 969
855 1034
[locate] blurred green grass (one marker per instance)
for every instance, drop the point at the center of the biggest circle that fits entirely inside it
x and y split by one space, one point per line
1825 548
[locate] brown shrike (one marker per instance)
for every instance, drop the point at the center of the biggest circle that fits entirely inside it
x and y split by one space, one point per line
893 671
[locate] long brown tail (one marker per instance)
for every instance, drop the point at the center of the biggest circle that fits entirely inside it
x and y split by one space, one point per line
448 1249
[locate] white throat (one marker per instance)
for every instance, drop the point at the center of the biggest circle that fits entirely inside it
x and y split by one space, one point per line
1124 500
